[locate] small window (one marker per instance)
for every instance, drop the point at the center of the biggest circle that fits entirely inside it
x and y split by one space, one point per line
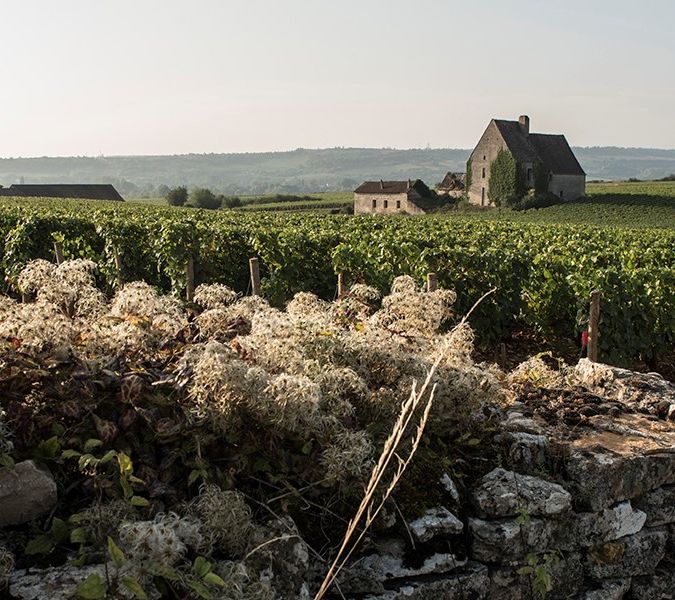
483 172
550 176
482 196
398 204
386 204
561 193
374 203
529 174
483 156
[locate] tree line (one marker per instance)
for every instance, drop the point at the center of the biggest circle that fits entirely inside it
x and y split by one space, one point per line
201 198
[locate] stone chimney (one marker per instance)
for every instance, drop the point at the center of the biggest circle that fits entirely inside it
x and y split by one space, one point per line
524 122
381 184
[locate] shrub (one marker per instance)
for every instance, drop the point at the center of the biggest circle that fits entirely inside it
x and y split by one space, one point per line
537 201
204 198
177 196
217 416
230 201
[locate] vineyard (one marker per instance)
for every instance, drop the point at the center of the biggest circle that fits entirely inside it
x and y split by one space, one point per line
543 273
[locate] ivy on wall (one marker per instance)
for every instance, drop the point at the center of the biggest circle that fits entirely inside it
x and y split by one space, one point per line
506 185
540 178
469 174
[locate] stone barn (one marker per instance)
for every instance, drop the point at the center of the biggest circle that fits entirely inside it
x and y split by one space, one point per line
542 155
452 185
390 197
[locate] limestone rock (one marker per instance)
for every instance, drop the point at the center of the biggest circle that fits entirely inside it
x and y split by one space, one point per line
283 563
631 556
26 492
525 452
566 572
472 582
659 504
609 589
645 392
506 540
660 586
517 421
386 567
503 493
593 529
436 521
55 583
621 458
450 486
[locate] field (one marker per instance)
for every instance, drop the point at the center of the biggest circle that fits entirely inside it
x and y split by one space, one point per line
543 273
324 201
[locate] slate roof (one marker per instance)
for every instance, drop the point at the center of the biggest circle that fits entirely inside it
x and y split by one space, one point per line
392 187
453 181
551 150
556 153
86 191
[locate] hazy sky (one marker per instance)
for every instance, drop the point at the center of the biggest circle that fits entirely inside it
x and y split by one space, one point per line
88 77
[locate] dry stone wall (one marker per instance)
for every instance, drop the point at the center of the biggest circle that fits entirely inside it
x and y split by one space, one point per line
580 504
585 512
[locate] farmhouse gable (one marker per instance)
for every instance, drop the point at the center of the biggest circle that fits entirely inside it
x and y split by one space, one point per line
535 153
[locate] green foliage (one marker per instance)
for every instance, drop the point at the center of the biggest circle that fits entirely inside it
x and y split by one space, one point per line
87 462
540 179
538 569
177 196
542 200
543 268
505 180
204 198
230 201
92 588
469 176
286 202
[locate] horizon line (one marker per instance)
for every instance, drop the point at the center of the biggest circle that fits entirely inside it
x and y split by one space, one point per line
298 149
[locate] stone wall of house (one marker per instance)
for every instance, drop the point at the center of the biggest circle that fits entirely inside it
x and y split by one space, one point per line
571 186
385 204
485 152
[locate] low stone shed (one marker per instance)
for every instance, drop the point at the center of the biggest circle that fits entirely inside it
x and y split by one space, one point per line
390 197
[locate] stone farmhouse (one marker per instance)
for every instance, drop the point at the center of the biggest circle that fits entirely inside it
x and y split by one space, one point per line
390 197
536 154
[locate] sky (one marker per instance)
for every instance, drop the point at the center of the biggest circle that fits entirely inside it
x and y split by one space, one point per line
125 77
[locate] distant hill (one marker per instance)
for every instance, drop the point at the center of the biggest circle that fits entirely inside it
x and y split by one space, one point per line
299 171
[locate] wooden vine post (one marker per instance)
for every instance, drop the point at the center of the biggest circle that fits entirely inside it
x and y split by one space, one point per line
593 326
341 287
118 267
190 278
432 282
254 268
58 251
